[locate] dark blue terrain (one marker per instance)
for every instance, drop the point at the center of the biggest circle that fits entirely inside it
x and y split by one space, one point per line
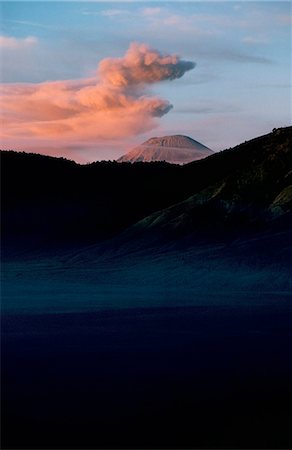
194 377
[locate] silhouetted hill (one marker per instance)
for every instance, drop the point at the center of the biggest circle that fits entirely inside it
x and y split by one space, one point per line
258 190
57 203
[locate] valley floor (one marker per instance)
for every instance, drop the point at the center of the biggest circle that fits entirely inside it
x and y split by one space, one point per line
182 377
127 348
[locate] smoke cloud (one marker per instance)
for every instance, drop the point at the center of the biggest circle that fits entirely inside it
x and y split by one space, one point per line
141 65
116 103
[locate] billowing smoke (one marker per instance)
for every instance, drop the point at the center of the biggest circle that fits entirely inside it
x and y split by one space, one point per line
142 65
117 103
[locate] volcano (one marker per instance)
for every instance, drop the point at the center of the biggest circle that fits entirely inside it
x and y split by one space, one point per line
177 149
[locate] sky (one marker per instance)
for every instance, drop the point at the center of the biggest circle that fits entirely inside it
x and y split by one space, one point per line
90 80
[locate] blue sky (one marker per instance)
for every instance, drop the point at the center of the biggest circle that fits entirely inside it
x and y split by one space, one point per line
239 89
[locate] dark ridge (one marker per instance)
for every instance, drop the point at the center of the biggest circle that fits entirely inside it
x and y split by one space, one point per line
55 202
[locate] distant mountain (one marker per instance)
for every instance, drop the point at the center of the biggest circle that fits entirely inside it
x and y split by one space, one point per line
175 149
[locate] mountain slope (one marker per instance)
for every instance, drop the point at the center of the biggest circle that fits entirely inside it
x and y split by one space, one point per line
248 196
175 149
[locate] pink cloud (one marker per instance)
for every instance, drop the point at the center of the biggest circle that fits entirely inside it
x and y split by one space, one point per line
115 104
10 42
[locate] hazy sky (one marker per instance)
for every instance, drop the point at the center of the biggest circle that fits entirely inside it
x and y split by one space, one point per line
89 80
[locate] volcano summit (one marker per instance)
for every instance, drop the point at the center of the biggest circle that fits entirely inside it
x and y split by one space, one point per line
176 149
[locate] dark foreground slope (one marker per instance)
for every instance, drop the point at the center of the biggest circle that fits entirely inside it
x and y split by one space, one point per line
169 332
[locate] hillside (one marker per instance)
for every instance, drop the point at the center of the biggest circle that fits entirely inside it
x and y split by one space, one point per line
54 203
258 192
